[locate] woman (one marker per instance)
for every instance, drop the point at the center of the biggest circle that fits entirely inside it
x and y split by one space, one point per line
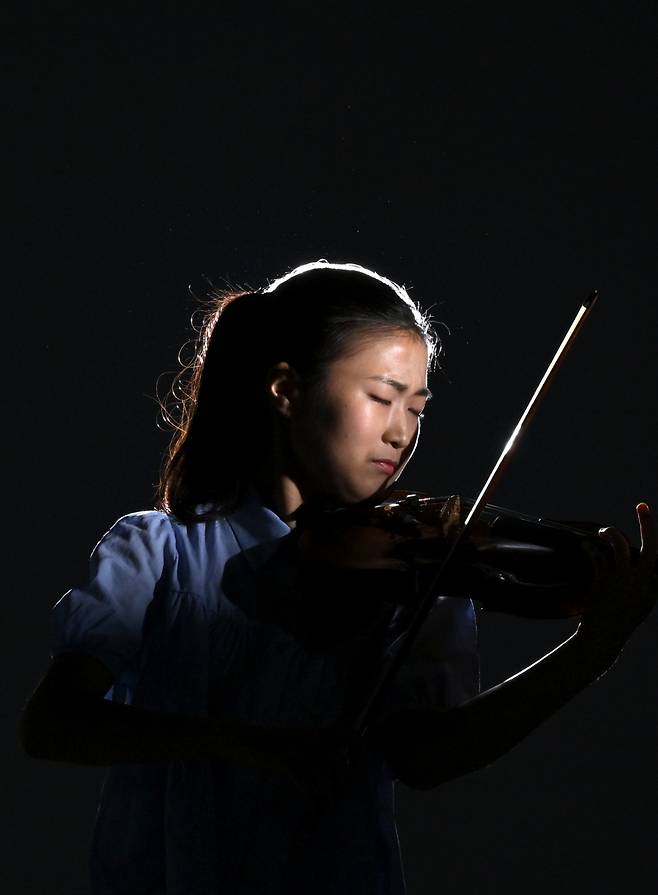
217 669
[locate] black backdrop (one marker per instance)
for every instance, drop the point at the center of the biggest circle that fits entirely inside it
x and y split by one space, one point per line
497 160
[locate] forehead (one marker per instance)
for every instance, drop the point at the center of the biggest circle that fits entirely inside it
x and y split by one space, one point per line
402 356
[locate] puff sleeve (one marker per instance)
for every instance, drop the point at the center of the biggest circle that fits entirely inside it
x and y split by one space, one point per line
105 616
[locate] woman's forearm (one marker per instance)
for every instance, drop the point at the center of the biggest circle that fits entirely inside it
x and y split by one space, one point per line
68 719
91 731
427 748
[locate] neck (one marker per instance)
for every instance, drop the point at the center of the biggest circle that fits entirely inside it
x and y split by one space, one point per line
280 494
277 484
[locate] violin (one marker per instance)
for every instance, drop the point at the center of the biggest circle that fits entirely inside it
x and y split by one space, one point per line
510 562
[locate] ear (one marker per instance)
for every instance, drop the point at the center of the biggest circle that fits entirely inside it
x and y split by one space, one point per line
282 388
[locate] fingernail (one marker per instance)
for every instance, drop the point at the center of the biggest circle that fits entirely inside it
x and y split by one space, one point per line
643 507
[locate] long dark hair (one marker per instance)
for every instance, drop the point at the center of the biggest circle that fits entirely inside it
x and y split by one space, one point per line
309 318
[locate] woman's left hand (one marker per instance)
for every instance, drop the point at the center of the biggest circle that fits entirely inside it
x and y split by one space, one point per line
625 591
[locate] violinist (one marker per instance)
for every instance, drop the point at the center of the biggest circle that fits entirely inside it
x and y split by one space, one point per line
217 671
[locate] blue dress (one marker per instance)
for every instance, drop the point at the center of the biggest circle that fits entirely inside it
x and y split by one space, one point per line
197 619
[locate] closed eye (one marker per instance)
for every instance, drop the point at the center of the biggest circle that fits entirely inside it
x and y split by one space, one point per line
417 413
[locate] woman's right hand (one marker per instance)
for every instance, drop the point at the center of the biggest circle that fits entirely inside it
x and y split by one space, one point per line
316 761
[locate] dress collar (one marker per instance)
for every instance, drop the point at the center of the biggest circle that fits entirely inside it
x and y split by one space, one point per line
257 528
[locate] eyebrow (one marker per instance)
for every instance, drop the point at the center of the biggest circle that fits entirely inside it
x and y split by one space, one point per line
401 387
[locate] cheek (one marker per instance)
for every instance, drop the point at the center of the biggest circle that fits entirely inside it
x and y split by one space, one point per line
340 429
357 422
323 431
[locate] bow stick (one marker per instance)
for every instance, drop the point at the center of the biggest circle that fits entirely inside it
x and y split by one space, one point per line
404 642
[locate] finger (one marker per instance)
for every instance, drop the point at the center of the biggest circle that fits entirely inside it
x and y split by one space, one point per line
621 569
616 536
648 536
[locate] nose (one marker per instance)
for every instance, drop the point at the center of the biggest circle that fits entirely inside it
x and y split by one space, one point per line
401 430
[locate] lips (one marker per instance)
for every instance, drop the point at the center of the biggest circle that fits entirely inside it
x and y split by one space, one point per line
387 466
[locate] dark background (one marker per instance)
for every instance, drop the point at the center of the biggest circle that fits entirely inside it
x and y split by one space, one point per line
496 159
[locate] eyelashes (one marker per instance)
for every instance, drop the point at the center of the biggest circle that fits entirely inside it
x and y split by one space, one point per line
417 413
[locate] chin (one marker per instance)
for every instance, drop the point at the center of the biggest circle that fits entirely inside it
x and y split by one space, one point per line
347 495
351 492
370 493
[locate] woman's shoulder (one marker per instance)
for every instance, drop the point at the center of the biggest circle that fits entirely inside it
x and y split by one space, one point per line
160 521
206 533
147 522
155 545
135 537
158 527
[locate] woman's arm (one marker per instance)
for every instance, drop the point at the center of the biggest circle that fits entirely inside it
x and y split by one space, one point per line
426 748
68 719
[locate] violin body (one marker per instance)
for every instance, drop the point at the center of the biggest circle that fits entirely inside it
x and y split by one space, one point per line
508 562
